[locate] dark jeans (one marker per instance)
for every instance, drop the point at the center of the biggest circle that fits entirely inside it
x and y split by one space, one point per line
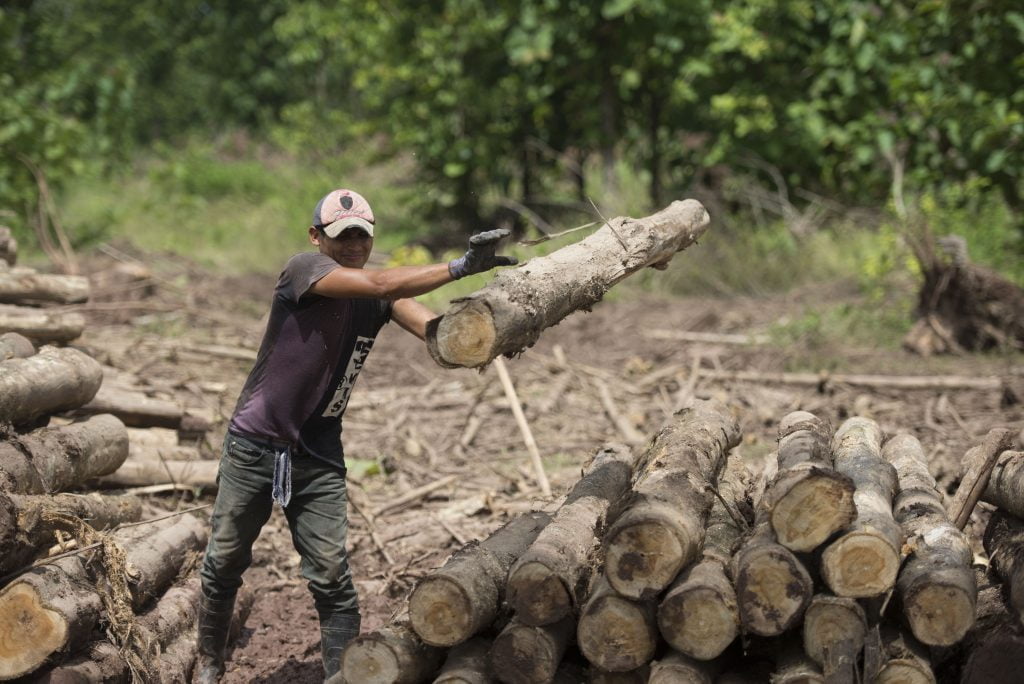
317 517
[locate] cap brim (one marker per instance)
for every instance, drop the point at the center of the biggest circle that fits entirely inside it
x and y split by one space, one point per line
334 229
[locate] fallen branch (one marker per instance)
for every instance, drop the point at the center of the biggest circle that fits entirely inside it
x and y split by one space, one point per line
524 427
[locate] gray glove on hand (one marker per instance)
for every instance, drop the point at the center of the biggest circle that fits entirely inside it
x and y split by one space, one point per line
481 257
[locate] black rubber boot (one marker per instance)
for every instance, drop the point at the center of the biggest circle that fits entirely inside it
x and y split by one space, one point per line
336 630
214 625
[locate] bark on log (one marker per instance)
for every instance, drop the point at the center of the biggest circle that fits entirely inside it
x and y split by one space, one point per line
1004 543
906 660
458 600
865 559
993 651
808 501
135 474
509 314
936 584
42 326
676 668
29 523
523 654
1005 488
466 663
26 285
394 654
54 459
834 633
51 381
8 246
977 466
547 582
15 346
662 527
615 633
138 410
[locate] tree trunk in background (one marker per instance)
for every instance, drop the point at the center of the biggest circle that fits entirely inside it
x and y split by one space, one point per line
51 381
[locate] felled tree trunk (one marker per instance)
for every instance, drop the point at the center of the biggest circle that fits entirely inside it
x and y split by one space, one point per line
157 557
834 632
1004 542
547 582
42 326
865 559
29 524
662 527
615 633
466 663
936 584
523 654
676 667
808 501
140 474
459 599
138 410
15 346
151 453
1005 487
8 246
51 381
394 654
26 285
510 313
905 660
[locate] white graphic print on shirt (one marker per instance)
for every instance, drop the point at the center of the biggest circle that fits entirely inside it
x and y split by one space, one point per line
355 364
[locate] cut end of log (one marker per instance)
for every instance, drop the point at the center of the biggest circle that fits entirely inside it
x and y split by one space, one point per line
644 557
939 615
832 621
616 635
700 623
773 589
816 506
371 661
522 654
859 565
465 336
439 611
29 631
904 671
537 595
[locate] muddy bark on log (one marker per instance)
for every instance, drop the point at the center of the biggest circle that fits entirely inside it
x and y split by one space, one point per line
546 583
809 501
51 381
459 599
1004 542
662 526
834 633
29 523
394 654
676 668
1005 487
54 459
615 633
8 246
936 583
42 326
864 561
509 314
523 654
135 474
26 285
157 553
905 659
466 663
15 346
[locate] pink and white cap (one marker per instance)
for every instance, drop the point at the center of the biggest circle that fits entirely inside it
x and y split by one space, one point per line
340 209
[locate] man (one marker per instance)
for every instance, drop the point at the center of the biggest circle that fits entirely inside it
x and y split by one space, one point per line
284 440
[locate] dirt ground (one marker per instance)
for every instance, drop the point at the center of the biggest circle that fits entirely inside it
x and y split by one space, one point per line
417 423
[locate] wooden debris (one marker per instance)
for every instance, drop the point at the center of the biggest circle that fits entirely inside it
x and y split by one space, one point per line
834 633
193 474
466 663
524 427
675 668
977 468
523 654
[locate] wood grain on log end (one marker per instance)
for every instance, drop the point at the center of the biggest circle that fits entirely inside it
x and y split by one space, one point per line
440 611
834 627
773 589
700 621
676 668
537 595
29 631
860 564
809 506
464 336
646 548
904 671
522 654
616 634
371 661
939 614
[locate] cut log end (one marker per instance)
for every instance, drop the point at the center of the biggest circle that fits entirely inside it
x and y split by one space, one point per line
616 635
465 336
904 671
773 589
440 610
644 557
537 595
833 627
812 509
939 615
700 623
29 631
371 661
522 654
860 564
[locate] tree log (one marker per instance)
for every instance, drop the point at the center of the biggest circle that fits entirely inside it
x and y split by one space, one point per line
136 409
42 326
466 663
26 285
509 314
29 523
615 633
936 584
8 246
637 676
977 466
906 660
139 474
53 459
458 600
393 654
51 381
676 668
808 501
993 650
834 632
15 346
523 654
152 453
1004 543
1005 488
794 666
865 559
662 528
547 582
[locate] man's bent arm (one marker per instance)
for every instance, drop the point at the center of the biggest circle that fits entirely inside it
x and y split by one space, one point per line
412 316
388 283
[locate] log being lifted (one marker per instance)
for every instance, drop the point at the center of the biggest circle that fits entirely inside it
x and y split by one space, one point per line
865 559
808 501
53 608
523 654
15 346
54 459
25 285
509 314
662 527
547 582
51 381
936 584
8 246
456 601
615 633
42 326
834 633
29 523
394 654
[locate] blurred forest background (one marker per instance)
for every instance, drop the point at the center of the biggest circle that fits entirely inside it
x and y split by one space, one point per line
815 131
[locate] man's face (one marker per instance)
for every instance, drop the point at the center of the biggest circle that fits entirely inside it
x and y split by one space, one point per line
351 248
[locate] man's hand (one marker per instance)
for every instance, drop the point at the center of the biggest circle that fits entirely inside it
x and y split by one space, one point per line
481 257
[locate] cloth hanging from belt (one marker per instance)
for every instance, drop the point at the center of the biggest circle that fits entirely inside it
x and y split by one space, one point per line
281 489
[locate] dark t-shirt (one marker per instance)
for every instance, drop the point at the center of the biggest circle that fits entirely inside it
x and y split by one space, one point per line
311 354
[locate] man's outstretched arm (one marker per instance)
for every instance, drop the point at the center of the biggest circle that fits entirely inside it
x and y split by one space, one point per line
412 316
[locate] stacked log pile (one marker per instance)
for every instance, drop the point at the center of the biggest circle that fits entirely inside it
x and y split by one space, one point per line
838 563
